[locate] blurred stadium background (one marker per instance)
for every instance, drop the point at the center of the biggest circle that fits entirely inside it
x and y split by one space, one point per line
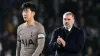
49 13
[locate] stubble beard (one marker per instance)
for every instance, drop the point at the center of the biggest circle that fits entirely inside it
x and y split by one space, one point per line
67 26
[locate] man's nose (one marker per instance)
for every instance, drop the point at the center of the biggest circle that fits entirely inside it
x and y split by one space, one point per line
66 21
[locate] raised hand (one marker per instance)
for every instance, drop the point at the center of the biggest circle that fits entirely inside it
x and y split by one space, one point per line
61 41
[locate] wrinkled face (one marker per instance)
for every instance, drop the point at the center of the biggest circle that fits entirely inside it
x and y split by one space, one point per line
68 21
27 14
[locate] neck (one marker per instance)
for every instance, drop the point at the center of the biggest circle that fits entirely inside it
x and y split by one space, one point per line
30 22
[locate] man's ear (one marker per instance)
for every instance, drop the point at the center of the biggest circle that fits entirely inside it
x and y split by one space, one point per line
73 20
33 13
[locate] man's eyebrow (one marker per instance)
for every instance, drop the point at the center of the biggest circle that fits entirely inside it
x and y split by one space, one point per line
64 18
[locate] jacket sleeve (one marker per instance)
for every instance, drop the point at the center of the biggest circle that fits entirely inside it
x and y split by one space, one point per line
53 42
76 46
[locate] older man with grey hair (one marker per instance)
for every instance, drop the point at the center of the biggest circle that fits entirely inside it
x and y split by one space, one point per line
67 40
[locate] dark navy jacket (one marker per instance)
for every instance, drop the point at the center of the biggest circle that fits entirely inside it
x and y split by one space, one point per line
74 41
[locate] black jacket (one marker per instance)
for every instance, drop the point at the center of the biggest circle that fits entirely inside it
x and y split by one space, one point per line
74 41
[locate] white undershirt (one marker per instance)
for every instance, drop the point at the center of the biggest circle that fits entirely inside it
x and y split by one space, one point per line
69 29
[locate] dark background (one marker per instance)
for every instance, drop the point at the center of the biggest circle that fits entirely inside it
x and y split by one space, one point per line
50 14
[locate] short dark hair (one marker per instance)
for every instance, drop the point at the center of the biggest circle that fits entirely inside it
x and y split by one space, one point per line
29 5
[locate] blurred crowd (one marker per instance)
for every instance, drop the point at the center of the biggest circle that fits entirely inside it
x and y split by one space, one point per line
50 14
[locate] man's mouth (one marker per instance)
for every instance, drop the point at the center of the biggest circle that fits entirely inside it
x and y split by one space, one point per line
25 17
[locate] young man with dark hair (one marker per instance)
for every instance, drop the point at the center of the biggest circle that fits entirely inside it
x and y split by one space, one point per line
31 34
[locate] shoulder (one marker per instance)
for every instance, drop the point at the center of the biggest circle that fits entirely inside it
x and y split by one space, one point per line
38 24
78 29
40 27
20 26
58 29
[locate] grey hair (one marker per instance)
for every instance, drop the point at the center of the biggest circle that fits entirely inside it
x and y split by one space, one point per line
68 13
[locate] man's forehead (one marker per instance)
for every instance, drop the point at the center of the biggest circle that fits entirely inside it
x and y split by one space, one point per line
66 16
26 9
